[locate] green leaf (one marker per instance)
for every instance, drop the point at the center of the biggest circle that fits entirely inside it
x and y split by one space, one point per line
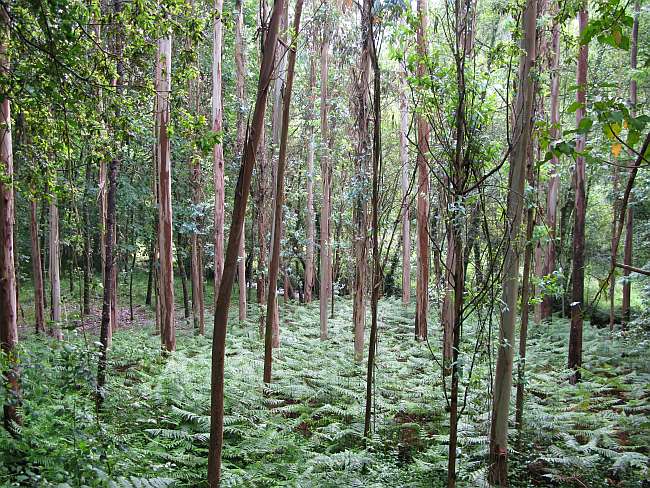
574 106
585 125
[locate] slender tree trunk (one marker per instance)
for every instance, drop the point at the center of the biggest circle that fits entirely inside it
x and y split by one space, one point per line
613 248
525 298
271 304
196 183
554 178
310 214
240 82
422 288
152 260
165 237
55 270
448 308
217 126
180 259
230 264
241 275
578 274
376 178
629 221
88 263
498 469
37 272
406 220
262 192
360 209
8 325
109 262
276 129
326 175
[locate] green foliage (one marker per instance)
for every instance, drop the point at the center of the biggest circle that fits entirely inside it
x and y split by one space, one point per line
305 429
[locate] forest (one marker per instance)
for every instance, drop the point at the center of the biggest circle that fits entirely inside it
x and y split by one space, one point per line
325 243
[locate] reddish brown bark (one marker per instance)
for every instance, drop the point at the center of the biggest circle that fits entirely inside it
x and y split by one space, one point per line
165 237
422 288
8 310
578 274
242 191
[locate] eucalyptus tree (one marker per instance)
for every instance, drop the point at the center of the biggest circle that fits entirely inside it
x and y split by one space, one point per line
521 136
406 219
232 251
8 310
362 157
164 165
274 263
111 214
218 160
422 288
578 270
326 182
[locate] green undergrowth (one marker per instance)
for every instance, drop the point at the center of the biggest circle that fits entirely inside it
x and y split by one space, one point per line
306 428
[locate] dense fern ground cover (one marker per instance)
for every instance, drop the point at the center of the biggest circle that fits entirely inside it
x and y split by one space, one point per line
305 430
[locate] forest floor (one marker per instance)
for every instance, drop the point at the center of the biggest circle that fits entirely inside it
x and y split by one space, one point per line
305 429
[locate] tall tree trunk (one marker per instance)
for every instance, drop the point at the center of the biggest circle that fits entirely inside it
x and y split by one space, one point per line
310 214
8 325
241 274
240 82
448 308
109 262
376 179
406 220
262 178
525 299
152 260
498 470
230 264
165 237
326 175
180 260
55 270
629 221
271 304
217 126
613 248
276 129
578 274
196 183
360 209
554 178
422 288
37 271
